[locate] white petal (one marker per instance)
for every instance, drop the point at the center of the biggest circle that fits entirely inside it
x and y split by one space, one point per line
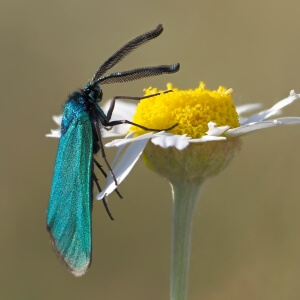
288 120
166 140
119 142
120 149
55 133
287 101
115 131
57 119
248 128
122 111
215 130
246 108
208 138
275 109
123 166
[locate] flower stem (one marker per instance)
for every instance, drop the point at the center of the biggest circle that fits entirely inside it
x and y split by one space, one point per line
185 196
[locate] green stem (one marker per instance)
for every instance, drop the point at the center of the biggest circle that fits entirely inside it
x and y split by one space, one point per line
185 197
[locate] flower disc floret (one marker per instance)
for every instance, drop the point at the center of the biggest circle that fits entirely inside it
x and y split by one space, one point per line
191 109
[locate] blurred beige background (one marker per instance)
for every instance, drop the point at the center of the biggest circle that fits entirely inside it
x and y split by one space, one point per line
246 240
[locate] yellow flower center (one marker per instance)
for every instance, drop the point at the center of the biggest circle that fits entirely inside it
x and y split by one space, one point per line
191 109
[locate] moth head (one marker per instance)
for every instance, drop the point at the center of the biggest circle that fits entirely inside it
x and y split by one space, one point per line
93 92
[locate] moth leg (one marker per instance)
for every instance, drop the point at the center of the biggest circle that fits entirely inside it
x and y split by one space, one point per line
119 122
103 200
97 127
113 101
105 175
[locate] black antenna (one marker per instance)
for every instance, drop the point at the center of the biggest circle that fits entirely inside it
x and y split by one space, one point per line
126 49
135 74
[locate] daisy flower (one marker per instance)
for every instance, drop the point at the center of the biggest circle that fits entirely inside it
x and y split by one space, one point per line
204 141
201 145
202 115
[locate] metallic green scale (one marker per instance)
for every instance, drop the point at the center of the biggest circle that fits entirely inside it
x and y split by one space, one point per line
69 209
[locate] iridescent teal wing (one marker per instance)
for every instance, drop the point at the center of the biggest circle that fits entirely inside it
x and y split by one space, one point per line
70 205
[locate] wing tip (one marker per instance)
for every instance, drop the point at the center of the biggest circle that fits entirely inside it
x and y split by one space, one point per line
77 272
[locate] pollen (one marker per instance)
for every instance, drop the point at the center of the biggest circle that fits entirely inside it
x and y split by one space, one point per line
191 109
